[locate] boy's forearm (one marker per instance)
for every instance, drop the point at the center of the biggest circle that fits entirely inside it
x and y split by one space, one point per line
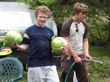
86 46
70 48
22 47
72 51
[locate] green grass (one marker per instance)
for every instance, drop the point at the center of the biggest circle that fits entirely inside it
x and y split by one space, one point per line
100 51
24 79
98 79
98 73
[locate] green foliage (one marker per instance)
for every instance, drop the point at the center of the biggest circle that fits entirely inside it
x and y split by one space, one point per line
99 24
46 2
99 32
98 70
98 15
100 53
22 0
100 73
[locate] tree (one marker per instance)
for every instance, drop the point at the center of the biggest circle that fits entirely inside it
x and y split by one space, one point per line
101 8
99 11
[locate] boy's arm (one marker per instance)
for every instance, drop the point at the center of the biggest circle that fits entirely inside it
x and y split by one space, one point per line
22 47
86 49
76 58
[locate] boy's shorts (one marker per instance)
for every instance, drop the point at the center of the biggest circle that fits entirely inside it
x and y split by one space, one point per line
43 74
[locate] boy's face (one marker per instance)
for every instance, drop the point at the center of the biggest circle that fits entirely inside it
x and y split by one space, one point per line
81 16
41 19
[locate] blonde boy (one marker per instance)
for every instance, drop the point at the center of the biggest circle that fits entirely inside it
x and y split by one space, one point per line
37 39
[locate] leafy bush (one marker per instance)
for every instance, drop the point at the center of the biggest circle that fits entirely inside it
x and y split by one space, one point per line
98 70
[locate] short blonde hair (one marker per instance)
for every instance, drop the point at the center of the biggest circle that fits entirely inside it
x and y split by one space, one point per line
80 7
42 9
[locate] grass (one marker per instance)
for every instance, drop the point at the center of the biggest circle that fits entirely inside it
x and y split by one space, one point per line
24 79
95 79
101 53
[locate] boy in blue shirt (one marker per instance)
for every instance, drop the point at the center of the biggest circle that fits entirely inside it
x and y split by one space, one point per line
37 39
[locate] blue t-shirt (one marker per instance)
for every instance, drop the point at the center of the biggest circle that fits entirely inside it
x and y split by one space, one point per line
39 40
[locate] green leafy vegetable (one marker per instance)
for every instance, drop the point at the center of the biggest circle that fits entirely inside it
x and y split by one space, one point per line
13 37
58 44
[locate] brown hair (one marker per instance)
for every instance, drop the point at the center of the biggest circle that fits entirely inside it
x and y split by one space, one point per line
80 7
42 9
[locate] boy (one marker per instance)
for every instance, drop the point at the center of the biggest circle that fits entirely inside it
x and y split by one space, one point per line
75 31
37 39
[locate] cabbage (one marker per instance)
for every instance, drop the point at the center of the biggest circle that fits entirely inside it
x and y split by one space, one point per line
58 44
13 37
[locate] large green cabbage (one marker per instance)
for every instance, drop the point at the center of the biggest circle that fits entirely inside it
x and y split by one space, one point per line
13 37
58 44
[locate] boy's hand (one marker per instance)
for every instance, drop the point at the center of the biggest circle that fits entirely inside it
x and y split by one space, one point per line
78 60
65 49
13 45
89 58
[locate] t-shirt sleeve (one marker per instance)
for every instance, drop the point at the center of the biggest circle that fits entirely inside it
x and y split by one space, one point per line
26 37
65 29
86 31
